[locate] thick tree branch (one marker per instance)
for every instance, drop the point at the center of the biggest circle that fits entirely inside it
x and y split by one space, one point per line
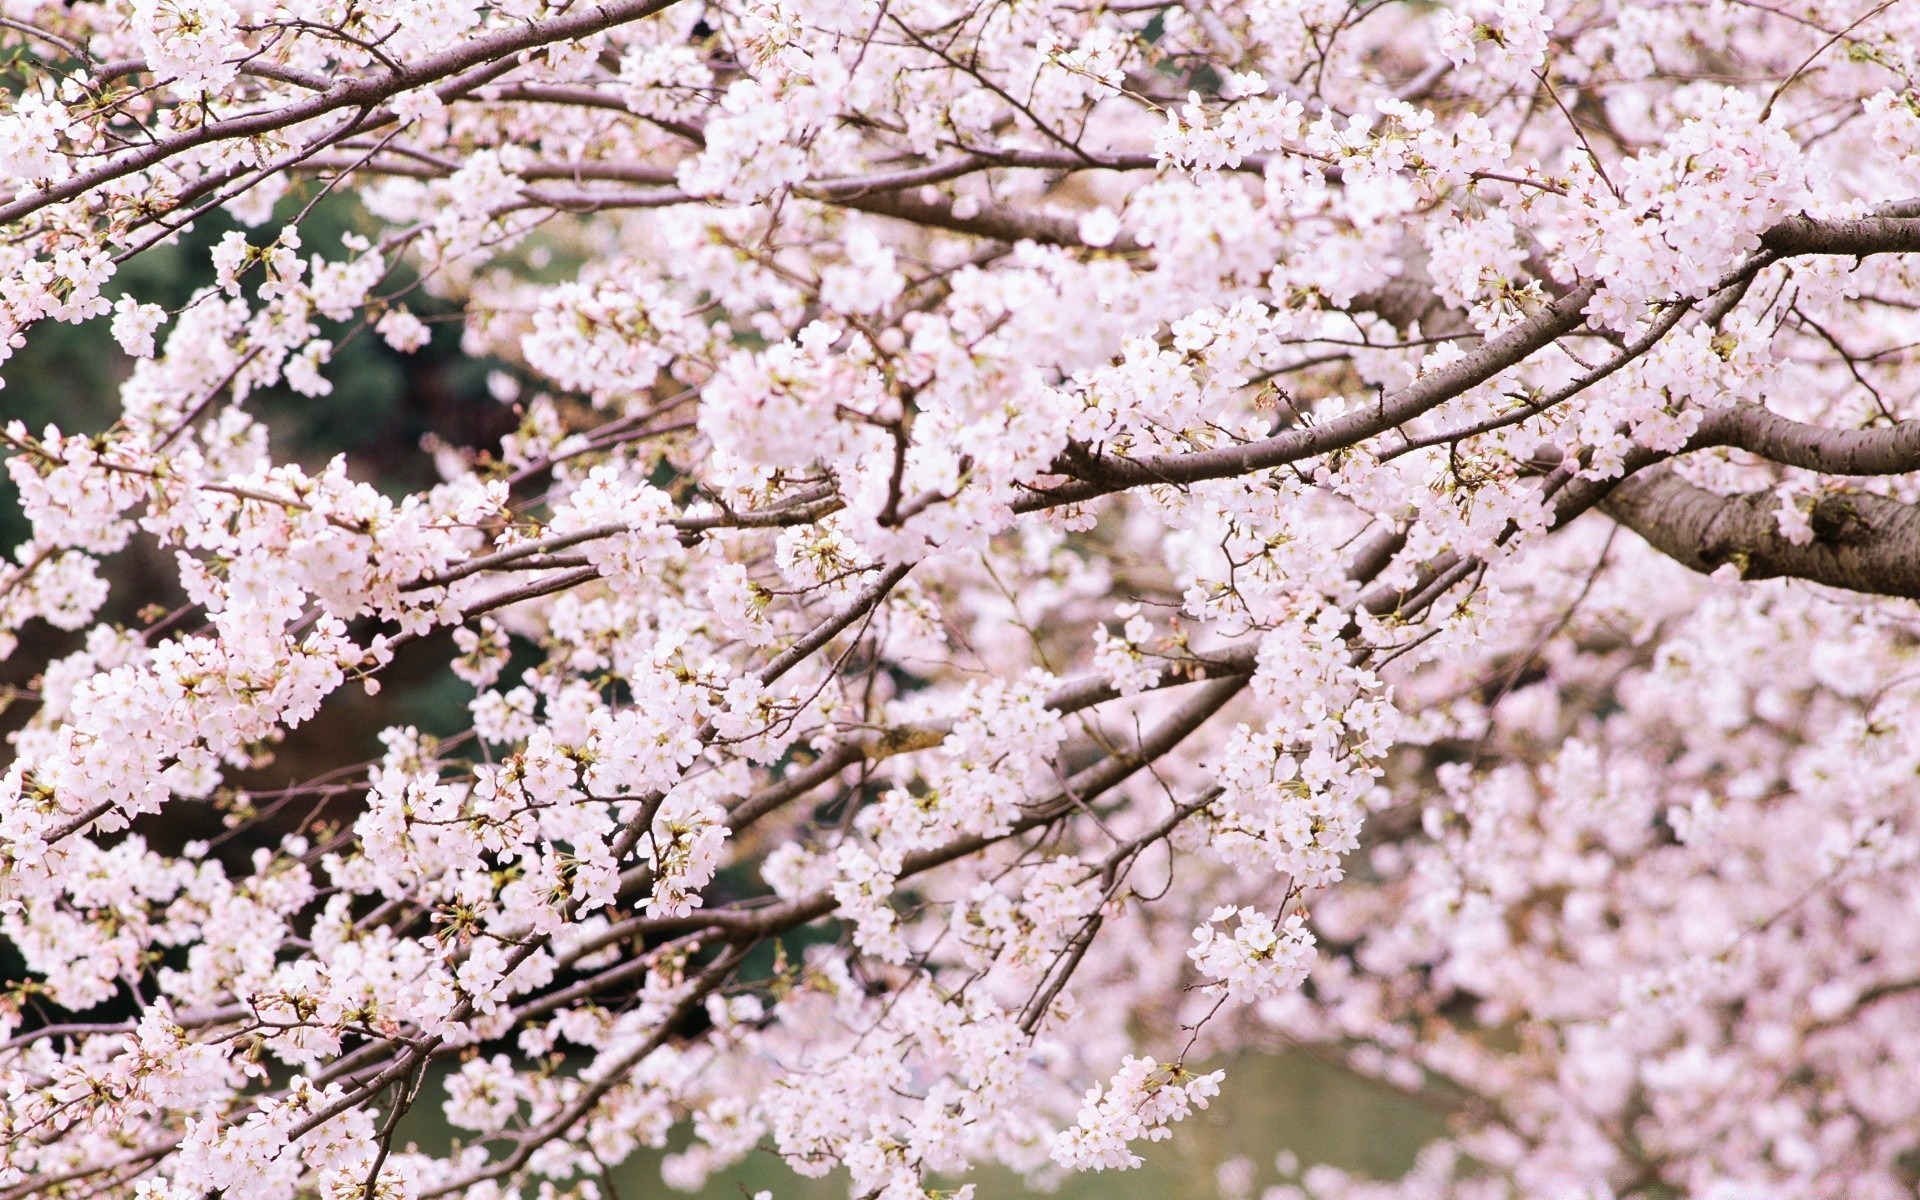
1888 234
996 221
1861 542
1891 450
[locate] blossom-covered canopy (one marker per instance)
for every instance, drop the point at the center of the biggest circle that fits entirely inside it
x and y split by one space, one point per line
1044 539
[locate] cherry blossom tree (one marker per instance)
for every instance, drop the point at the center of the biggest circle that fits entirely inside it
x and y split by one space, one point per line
1044 540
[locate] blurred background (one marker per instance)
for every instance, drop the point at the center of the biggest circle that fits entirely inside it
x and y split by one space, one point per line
1279 1114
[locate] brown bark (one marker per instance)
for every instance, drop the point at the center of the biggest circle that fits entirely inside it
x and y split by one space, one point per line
1889 450
1861 542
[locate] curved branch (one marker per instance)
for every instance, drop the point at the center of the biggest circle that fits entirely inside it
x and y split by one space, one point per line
1097 475
1093 475
1859 236
1861 542
1890 450
996 221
